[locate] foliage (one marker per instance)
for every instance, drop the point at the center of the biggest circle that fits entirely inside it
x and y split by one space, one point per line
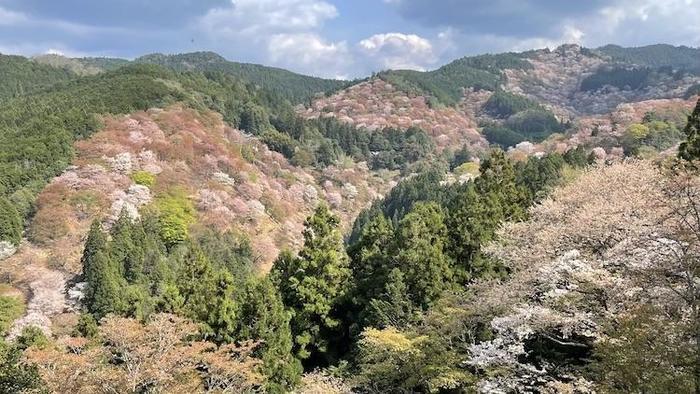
263 317
446 83
503 104
657 134
31 336
291 86
690 148
208 278
574 264
175 214
23 76
658 55
642 353
621 78
160 355
143 178
312 283
11 309
421 255
10 222
534 124
17 375
502 136
399 270
390 360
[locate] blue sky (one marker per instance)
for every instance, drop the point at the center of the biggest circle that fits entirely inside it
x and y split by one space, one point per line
338 38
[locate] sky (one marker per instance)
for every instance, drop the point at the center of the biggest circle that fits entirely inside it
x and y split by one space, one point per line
338 38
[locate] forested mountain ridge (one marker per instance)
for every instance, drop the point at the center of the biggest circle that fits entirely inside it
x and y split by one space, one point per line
295 87
526 97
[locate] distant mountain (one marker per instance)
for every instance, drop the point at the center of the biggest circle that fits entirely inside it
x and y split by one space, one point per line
659 55
514 97
22 76
103 63
295 87
447 82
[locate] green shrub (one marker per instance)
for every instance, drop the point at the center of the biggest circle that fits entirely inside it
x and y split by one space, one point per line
32 336
143 178
175 214
11 309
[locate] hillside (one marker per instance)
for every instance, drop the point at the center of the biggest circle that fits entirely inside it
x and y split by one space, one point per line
147 159
294 87
377 104
516 97
660 55
22 76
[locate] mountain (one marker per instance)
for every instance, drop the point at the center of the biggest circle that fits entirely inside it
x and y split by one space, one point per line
517 97
295 87
23 76
659 55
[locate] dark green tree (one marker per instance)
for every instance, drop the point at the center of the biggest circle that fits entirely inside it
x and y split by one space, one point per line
393 308
472 221
264 318
127 247
254 119
105 287
312 283
690 148
10 222
208 296
421 239
498 178
371 261
96 242
17 376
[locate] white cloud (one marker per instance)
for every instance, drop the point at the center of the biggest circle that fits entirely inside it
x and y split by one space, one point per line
310 52
289 30
640 22
398 51
264 17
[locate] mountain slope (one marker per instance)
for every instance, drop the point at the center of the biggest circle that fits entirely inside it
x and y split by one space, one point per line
514 97
377 104
22 76
294 87
659 55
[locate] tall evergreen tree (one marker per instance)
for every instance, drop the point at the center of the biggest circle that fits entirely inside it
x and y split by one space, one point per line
498 178
105 286
371 262
421 237
313 283
264 318
10 222
690 148
208 296
96 242
471 222
127 247
393 308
